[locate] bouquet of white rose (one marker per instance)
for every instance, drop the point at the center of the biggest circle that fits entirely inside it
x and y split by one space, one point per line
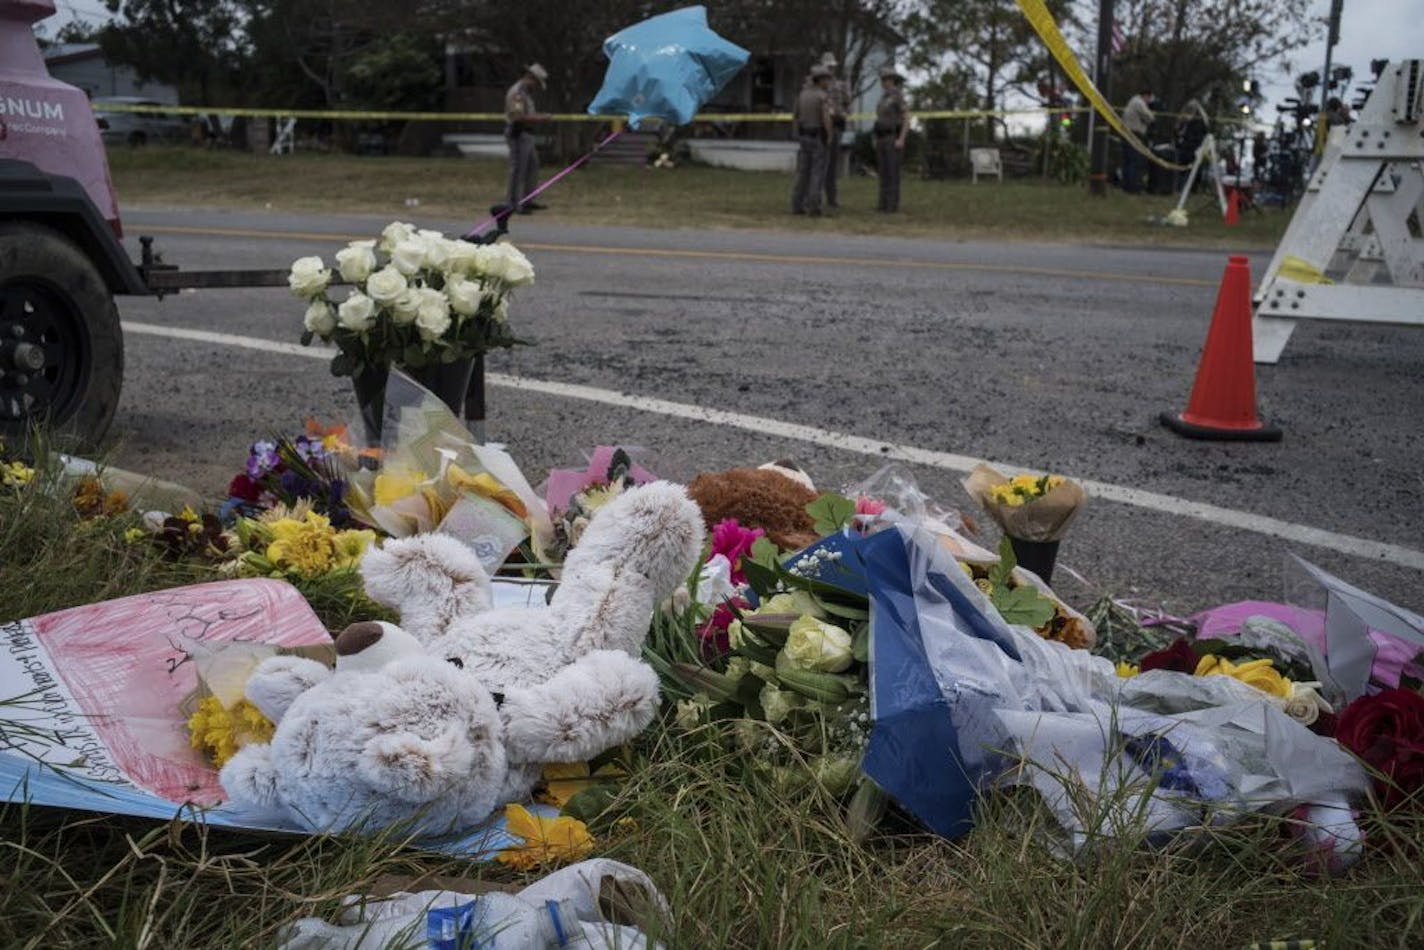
418 299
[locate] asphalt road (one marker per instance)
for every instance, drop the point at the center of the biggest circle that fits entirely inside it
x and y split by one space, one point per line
1051 357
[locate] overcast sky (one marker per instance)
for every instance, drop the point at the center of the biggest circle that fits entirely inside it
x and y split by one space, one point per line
1369 29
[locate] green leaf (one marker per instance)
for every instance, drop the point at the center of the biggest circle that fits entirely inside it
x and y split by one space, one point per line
860 643
999 573
831 512
342 364
414 356
844 611
765 553
1023 605
307 337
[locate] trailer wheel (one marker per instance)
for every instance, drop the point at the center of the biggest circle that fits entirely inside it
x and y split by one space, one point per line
61 348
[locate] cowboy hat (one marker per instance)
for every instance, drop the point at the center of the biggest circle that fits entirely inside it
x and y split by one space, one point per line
890 72
538 72
820 72
829 60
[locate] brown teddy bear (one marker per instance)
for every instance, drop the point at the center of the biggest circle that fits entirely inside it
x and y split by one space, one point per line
773 497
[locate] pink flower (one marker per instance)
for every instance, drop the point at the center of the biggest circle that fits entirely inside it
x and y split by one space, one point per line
713 633
731 540
869 506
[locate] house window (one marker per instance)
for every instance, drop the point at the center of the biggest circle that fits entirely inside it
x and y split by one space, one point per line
763 73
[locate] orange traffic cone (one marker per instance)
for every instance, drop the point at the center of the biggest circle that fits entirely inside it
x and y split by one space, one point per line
1233 207
1223 400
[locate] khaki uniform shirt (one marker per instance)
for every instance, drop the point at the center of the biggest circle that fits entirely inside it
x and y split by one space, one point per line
517 102
890 112
811 109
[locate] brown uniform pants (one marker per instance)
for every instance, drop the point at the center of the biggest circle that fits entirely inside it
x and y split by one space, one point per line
523 166
887 166
810 174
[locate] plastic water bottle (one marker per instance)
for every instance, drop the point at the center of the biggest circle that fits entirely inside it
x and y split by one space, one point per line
502 922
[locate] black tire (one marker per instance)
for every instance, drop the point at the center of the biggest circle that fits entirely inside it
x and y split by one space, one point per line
61 347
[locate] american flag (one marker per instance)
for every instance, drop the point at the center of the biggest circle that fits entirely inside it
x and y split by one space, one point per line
1119 40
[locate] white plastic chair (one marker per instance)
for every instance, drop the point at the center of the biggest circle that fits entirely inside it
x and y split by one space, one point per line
985 161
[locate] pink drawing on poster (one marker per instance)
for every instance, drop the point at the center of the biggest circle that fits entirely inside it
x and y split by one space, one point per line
124 662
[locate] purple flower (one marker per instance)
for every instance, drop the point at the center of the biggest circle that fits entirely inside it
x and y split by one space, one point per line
262 458
309 450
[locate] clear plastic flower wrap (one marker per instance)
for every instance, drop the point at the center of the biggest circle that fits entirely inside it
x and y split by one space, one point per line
431 476
964 702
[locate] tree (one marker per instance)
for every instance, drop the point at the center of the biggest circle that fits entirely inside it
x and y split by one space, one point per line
988 40
198 45
1203 49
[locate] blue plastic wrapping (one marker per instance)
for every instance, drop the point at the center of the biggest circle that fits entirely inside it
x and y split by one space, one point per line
963 702
666 67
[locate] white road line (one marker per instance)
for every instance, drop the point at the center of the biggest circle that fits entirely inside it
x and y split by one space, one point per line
875 448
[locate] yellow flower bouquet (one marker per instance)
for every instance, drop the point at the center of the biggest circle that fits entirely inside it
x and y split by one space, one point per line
1033 511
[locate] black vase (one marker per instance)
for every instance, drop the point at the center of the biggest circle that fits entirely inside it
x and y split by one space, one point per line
1036 556
370 385
449 381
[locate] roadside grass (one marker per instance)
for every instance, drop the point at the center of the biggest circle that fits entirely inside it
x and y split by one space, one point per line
685 197
742 863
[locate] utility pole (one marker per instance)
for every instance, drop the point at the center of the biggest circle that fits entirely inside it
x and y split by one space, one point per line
1331 39
1102 77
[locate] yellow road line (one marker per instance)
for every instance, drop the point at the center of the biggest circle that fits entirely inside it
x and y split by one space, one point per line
743 256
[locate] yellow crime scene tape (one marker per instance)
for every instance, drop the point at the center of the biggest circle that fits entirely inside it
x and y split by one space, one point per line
358 114
1042 22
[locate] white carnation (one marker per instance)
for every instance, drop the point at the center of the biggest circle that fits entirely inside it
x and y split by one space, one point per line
465 295
357 312
308 277
432 313
394 233
408 256
356 261
319 319
385 285
404 306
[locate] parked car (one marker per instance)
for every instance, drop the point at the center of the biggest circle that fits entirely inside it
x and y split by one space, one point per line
139 128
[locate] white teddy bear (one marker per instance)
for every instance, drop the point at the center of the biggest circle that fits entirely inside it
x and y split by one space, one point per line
442 719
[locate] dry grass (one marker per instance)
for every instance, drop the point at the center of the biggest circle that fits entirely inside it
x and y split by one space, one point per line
688 196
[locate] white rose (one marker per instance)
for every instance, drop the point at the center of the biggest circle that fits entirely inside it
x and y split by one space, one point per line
518 271
489 261
432 313
319 319
357 312
501 310
461 257
356 261
404 306
408 256
818 646
394 233
308 277
465 295
385 285
437 252
1304 704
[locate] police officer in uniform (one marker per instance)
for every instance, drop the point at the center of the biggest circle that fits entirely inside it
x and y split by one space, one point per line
892 124
838 98
520 116
813 132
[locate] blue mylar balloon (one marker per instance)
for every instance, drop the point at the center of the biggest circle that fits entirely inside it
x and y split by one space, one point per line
667 66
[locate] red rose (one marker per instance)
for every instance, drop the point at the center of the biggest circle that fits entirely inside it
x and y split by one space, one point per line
1386 730
244 488
1179 657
